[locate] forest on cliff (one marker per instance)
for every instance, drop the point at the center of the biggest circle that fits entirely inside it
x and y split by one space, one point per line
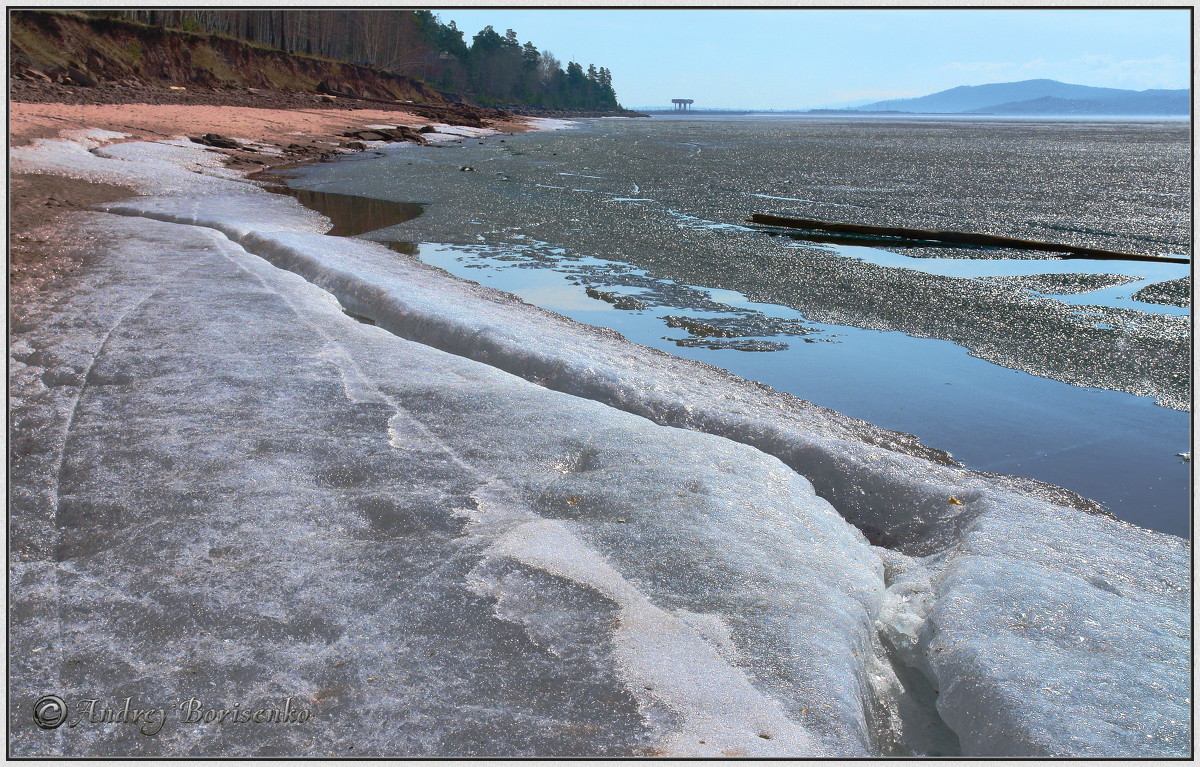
494 69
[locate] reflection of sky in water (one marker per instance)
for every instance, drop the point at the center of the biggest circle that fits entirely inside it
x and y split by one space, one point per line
562 298
1116 296
1110 446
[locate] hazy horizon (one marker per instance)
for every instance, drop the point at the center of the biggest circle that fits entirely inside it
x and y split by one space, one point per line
782 59
861 102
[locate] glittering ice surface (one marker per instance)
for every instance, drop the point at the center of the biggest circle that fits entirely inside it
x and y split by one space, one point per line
476 528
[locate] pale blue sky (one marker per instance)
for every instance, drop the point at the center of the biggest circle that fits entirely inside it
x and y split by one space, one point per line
785 59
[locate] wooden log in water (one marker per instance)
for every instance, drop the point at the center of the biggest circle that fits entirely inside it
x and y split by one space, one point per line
955 238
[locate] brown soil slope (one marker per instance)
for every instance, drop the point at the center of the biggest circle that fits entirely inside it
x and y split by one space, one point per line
70 48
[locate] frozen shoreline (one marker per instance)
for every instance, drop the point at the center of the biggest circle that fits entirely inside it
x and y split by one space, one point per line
980 571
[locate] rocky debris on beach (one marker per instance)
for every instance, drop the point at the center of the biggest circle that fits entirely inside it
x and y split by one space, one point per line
35 90
76 77
453 114
533 111
219 141
459 114
398 133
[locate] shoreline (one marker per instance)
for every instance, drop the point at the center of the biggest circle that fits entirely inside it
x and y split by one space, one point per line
277 138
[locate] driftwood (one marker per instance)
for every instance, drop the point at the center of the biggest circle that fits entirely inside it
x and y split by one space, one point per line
956 238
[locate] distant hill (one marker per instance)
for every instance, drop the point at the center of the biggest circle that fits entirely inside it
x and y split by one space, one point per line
1044 97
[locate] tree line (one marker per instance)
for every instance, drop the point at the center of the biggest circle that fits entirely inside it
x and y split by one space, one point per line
494 69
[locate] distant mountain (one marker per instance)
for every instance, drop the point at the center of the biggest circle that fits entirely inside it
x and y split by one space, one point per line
1045 97
846 104
1135 103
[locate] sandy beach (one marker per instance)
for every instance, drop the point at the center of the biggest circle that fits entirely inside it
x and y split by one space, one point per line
28 121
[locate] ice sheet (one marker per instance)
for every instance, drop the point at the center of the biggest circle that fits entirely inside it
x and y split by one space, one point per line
536 504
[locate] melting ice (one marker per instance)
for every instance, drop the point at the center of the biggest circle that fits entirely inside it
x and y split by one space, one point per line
501 532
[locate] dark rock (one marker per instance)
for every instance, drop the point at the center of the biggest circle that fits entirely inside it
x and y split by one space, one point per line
617 300
78 77
405 133
334 88
216 140
400 133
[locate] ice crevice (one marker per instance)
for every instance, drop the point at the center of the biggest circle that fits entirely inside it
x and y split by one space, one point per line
1002 622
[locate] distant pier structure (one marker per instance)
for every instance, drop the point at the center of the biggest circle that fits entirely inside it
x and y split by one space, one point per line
681 105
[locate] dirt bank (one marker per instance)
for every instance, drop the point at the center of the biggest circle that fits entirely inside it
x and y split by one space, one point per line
65 47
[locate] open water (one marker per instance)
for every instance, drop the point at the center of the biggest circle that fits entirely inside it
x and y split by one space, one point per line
1013 362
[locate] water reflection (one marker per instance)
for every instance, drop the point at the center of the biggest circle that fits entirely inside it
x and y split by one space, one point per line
353 215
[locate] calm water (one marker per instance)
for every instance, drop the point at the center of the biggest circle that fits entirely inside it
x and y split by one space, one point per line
1005 378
